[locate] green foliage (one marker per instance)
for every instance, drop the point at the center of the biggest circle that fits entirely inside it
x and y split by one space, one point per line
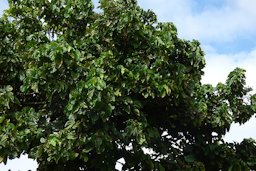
81 89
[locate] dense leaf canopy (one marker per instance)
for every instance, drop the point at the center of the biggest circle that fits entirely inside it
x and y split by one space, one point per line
82 88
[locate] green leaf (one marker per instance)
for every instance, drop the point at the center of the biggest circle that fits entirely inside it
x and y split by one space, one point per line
43 140
189 158
53 141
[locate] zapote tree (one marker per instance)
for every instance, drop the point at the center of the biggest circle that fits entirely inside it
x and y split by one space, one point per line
82 88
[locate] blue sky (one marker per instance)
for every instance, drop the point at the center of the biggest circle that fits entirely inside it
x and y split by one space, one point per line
226 30
225 25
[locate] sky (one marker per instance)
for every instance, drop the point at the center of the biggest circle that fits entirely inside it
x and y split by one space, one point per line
226 30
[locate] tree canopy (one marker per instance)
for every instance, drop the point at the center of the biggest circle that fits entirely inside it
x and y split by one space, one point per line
82 88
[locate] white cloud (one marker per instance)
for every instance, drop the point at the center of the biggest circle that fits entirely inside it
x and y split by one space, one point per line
21 164
218 66
211 24
238 132
3 6
217 69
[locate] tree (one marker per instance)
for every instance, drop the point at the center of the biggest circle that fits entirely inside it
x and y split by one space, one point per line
80 89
